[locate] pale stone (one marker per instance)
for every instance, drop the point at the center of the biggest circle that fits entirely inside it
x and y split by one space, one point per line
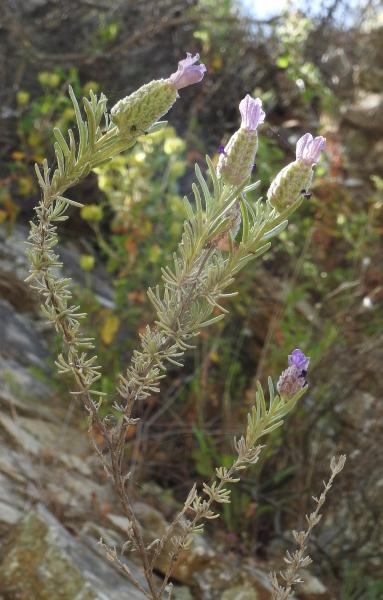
41 561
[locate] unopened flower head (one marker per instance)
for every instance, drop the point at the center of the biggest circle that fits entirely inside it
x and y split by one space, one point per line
237 160
296 178
293 379
134 114
188 72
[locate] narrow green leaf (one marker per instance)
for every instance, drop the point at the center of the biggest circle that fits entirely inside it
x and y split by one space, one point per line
245 220
214 178
81 126
59 158
275 230
204 187
251 187
211 321
157 126
92 127
61 141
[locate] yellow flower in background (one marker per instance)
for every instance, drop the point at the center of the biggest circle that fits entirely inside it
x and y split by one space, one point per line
90 86
178 168
154 253
87 262
34 138
175 229
17 155
214 357
174 145
109 329
68 114
92 212
216 63
22 98
26 185
48 79
146 228
139 157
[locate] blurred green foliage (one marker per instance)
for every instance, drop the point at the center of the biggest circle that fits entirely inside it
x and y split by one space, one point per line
146 213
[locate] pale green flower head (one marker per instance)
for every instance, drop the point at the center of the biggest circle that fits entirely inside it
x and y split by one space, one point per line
236 160
139 111
296 178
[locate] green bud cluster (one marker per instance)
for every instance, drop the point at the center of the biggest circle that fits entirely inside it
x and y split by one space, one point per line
236 162
144 107
289 184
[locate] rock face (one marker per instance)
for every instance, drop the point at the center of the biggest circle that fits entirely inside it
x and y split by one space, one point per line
312 588
40 560
367 112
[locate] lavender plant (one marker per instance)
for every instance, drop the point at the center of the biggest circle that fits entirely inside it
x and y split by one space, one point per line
188 299
300 559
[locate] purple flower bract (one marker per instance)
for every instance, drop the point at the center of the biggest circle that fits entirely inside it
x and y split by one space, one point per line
188 72
308 148
251 112
298 360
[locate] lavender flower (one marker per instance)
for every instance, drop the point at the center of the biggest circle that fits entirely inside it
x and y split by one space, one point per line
139 111
251 112
308 148
293 379
188 72
296 178
290 382
299 360
236 161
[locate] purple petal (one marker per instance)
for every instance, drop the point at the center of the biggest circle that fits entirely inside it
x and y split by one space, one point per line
302 144
308 148
298 360
188 72
251 112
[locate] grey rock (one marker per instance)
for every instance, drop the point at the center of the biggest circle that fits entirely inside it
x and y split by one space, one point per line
241 592
367 112
182 593
23 392
312 588
9 515
19 436
19 340
40 561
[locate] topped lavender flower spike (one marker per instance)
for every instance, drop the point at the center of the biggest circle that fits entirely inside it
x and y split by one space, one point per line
298 360
236 160
188 72
308 148
295 179
293 379
251 112
140 110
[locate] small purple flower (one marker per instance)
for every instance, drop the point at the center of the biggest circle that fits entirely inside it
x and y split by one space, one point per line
298 360
251 112
221 150
188 72
293 379
309 148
